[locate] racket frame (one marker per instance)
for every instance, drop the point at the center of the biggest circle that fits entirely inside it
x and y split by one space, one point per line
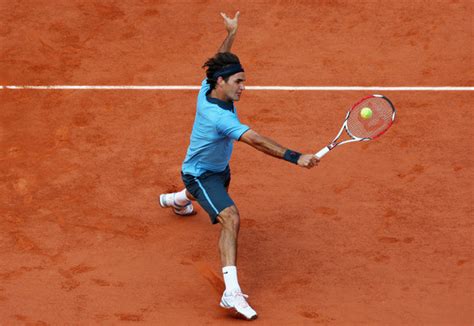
334 143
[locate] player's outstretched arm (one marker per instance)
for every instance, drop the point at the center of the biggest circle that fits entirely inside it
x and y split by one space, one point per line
270 147
231 25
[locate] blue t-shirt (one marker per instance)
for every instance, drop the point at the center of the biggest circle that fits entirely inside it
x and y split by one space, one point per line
216 126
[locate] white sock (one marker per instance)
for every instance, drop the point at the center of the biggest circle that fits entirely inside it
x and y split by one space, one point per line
180 197
230 279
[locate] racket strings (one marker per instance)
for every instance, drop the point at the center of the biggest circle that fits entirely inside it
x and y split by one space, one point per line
377 124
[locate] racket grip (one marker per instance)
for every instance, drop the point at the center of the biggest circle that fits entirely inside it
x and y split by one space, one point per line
322 152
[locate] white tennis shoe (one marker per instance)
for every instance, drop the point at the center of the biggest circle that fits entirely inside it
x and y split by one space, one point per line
168 200
237 300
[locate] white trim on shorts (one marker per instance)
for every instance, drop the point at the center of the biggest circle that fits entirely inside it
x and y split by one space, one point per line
206 195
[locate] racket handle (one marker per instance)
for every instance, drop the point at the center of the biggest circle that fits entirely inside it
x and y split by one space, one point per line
322 152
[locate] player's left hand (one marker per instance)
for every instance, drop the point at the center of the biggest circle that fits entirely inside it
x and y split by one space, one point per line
231 24
308 161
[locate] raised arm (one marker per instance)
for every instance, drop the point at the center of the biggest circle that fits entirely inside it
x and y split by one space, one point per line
231 26
270 147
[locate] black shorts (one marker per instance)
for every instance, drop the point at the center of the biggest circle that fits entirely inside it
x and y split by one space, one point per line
210 190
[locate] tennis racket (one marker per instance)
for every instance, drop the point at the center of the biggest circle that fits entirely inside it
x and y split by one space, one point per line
364 129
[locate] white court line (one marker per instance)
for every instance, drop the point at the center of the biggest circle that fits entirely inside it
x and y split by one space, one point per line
259 88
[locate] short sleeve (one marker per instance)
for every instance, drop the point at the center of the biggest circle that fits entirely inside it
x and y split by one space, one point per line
204 88
230 126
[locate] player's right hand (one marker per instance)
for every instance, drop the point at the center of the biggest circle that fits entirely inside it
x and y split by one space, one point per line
231 24
308 161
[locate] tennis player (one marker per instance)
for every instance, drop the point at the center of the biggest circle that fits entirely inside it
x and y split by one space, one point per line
205 170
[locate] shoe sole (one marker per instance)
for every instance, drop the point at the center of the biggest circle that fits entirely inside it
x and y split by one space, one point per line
239 313
188 214
161 201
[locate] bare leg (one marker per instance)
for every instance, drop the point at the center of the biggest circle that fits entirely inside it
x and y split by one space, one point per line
230 221
188 194
232 298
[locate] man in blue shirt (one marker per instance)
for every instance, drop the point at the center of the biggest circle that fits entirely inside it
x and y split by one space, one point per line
205 170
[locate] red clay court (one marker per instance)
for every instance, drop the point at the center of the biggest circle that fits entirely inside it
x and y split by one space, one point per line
379 234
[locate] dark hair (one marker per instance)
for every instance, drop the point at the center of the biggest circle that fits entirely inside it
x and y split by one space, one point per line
216 63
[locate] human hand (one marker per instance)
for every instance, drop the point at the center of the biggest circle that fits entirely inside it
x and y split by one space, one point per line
308 161
231 24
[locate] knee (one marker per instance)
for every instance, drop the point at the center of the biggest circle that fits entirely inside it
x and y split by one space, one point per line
230 218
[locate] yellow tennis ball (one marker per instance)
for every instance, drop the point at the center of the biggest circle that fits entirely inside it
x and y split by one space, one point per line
366 113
